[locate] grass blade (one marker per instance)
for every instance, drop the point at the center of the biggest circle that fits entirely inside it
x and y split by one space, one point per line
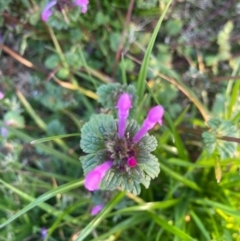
180 178
99 218
50 138
200 225
144 67
38 201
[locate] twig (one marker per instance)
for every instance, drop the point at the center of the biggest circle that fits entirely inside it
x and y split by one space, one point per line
198 132
123 36
225 78
20 58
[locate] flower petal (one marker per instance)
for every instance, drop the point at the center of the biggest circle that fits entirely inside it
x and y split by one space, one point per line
46 13
83 4
96 209
94 177
154 116
123 106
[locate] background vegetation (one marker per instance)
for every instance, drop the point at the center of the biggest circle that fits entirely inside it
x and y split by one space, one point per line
185 57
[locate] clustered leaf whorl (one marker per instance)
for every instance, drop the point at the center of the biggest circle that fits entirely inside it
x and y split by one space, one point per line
108 94
117 160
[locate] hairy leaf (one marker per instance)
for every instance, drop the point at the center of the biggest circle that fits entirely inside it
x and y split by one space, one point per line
109 94
218 129
95 131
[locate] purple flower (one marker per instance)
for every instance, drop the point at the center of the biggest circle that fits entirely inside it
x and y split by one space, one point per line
83 4
96 209
4 132
123 106
94 177
1 95
154 115
46 13
132 162
43 233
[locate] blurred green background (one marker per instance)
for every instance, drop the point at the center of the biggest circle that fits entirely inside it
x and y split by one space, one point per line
185 57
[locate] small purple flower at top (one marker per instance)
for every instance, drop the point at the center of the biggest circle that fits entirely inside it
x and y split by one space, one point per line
1 95
96 209
4 132
83 4
154 115
123 106
93 178
47 12
43 233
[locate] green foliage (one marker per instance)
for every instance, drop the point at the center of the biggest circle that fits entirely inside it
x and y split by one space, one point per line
52 61
53 97
174 27
102 129
109 94
4 5
101 19
213 143
14 118
190 65
223 41
55 128
95 132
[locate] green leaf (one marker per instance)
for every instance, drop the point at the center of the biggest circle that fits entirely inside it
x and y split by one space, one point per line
151 166
73 60
209 140
63 73
101 19
52 61
174 26
95 131
144 67
55 128
148 168
109 94
14 118
114 40
4 5
212 141
90 161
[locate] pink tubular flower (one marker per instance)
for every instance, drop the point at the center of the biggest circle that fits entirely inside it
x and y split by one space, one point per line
123 106
94 177
46 13
83 4
154 115
1 95
96 209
